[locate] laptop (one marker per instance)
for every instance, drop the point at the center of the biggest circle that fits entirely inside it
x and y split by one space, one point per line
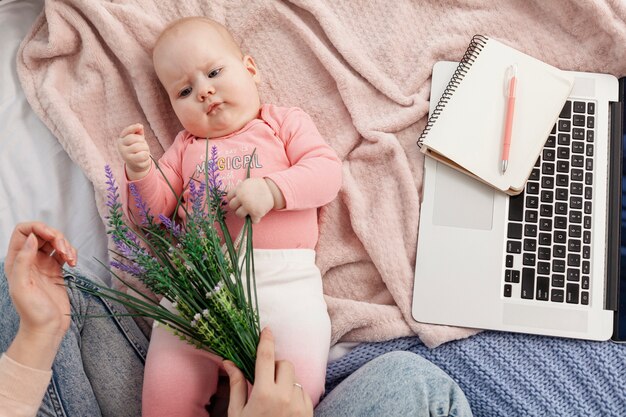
543 262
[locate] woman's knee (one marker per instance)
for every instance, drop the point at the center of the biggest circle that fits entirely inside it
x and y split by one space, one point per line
420 381
396 384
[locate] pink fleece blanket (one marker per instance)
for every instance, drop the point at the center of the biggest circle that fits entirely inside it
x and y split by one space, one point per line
361 68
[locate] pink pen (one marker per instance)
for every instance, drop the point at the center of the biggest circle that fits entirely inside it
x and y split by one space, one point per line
511 77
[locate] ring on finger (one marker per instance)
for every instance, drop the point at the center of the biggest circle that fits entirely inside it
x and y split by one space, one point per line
295 384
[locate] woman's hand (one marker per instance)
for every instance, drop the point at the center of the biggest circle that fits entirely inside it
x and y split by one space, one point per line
275 392
33 268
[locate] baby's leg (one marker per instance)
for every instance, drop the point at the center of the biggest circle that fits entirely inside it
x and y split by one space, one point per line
303 338
179 379
291 302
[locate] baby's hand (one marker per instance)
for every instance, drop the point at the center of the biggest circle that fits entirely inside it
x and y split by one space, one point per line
135 152
255 197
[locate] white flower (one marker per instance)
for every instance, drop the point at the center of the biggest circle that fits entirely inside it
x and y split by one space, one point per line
205 313
197 317
215 290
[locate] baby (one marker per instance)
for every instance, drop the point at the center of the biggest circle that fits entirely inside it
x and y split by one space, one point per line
212 87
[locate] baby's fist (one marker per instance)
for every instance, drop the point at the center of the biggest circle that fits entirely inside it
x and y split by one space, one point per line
135 152
252 197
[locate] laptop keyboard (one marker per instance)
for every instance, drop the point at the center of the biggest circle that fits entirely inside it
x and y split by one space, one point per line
548 246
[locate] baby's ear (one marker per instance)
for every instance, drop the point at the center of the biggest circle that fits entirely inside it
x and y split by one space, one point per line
250 65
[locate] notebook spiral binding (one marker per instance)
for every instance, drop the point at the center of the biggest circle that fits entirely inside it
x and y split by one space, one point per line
476 45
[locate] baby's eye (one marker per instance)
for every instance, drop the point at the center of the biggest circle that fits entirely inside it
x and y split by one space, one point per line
214 73
184 92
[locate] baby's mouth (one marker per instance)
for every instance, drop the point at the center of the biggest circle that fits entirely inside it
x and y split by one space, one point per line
212 108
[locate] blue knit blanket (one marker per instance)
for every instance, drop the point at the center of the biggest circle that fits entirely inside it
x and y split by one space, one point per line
510 375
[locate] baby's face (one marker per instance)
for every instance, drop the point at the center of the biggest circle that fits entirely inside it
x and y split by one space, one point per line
212 88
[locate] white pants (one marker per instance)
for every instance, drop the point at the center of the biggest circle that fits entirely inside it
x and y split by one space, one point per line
180 379
291 302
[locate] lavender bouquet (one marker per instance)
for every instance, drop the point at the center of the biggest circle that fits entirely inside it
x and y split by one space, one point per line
196 265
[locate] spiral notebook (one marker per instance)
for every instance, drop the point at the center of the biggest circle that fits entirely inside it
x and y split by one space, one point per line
465 131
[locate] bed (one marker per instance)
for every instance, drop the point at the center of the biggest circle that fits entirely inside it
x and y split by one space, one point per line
361 69
38 180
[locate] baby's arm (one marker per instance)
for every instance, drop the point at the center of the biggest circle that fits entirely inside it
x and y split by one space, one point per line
255 197
135 152
314 177
312 180
158 188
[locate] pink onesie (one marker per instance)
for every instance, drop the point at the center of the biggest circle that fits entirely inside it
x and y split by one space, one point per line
289 150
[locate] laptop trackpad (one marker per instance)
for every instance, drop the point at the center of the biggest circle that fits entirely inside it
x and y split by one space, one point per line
544 318
461 201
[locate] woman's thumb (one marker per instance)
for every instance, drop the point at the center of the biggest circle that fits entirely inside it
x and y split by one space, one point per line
25 257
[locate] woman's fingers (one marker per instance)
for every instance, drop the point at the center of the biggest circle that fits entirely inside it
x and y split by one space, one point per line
24 259
275 391
49 240
286 382
264 371
41 231
47 248
60 249
285 374
308 404
238 389
264 374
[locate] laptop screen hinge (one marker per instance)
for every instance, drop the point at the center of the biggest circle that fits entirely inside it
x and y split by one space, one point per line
614 205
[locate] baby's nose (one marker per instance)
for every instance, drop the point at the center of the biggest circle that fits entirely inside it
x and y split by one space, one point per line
205 92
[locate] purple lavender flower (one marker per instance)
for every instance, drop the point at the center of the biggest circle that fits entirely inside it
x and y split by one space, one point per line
140 204
196 197
215 183
172 227
124 248
202 189
216 191
132 269
167 264
112 194
132 237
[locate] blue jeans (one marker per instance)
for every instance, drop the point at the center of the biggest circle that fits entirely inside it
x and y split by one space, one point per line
396 384
98 370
